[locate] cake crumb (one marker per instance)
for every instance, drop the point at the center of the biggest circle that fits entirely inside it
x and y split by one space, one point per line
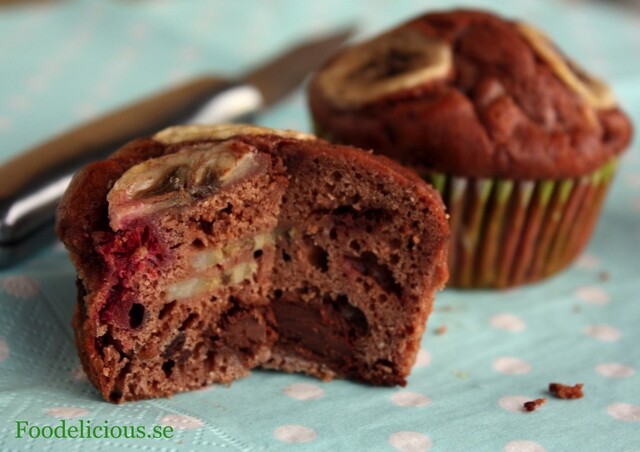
532 405
566 392
604 276
442 329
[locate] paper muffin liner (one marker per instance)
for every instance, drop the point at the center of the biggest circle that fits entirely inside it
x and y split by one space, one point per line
509 232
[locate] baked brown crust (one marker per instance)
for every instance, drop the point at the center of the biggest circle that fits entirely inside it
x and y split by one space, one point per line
345 239
501 111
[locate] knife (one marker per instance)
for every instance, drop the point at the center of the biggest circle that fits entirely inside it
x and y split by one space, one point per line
32 183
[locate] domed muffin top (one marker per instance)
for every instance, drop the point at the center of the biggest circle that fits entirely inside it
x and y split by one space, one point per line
473 94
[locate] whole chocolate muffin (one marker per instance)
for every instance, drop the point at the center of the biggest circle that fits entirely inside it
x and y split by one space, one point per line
204 252
520 141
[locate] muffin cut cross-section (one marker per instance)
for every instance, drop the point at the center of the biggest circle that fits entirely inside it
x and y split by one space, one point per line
206 251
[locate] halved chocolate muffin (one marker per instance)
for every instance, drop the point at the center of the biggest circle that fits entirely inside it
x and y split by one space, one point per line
206 251
520 141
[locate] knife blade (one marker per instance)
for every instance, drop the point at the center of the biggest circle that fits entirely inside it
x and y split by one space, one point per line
32 183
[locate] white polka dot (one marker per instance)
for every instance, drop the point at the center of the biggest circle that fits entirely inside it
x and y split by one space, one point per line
104 89
410 399
588 261
20 286
624 412
181 422
85 110
295 434
79 375
523 446
423 359
19 103
139 30
633 180
510 365
188 54
614 370
514 403
5 124
593 295
603 333
507 322
67 412
125 58
178 75
4 349
304 391
410 441
38 82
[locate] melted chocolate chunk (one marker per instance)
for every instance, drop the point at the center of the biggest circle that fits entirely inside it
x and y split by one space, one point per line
243 331
328 331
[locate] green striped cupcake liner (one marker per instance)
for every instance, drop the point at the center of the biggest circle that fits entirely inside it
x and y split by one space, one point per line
507 232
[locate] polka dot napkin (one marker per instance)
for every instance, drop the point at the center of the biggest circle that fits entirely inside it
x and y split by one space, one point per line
484 354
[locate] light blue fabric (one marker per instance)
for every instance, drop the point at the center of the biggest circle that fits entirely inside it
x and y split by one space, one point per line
63 62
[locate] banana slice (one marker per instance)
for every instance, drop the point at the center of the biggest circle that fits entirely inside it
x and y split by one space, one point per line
177 179
594 91
178 134
400 59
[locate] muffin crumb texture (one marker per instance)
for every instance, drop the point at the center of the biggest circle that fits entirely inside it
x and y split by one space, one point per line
566 392
200 258
533 405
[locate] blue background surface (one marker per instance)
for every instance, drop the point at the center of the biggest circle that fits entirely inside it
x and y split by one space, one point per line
65 62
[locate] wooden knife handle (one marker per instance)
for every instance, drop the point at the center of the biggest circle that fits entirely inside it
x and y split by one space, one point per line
98 138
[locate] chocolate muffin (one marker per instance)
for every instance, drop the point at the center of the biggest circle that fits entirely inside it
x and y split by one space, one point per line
206 251
521 142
